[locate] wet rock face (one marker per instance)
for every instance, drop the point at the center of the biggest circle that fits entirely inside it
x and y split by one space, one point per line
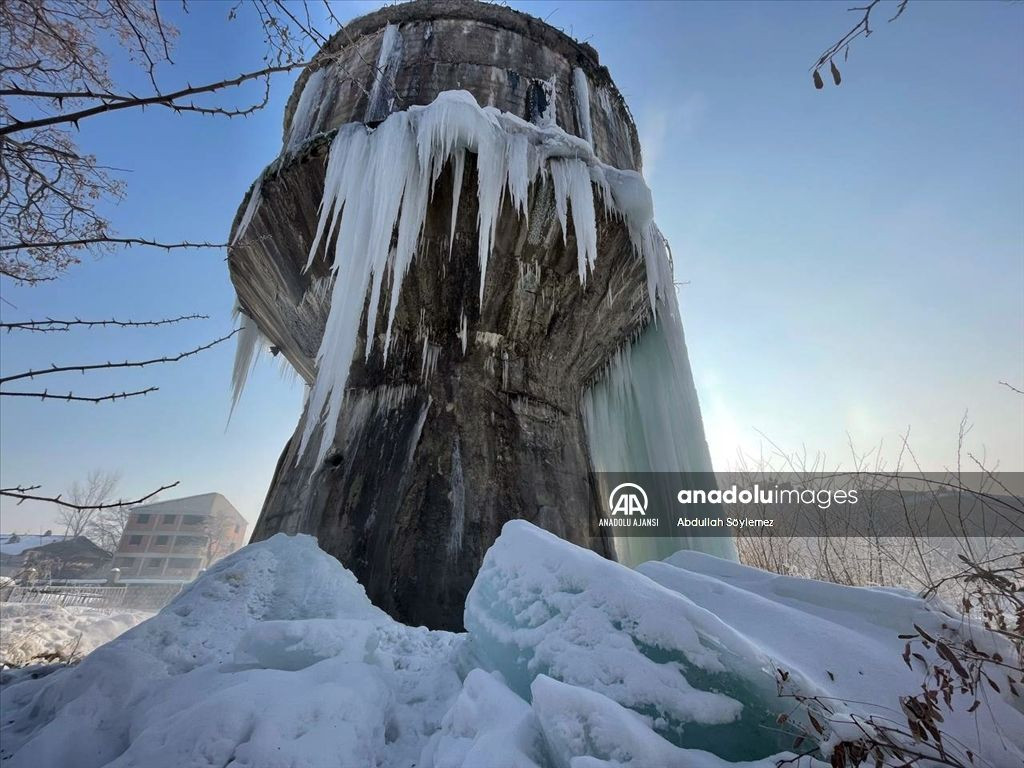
407 54
475 417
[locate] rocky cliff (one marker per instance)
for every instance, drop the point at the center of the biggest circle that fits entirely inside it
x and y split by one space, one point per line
479 263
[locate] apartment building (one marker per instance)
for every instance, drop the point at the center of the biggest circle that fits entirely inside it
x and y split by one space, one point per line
173 540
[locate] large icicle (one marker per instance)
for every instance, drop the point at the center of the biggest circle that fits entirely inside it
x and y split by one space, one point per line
581 90
382 93
307 110
643 415
571 179
381 179
255 198
249 342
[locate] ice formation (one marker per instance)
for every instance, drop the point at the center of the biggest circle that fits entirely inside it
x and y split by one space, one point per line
247 347
581 90
307 110
379 182
275 657
643 415
382 94
255 198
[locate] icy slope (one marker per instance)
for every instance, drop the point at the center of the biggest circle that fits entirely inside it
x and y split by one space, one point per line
276 658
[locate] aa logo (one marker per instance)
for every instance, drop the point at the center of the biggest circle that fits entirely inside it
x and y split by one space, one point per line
629 499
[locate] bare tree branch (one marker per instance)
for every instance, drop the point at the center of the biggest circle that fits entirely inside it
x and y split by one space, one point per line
168 100
72 397
125 364
861 29
124 241
55 71
49 324
21 493
1011 387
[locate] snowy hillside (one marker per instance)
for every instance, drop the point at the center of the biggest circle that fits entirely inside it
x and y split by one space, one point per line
275 657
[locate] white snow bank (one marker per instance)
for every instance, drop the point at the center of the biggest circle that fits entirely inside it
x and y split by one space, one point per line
33 631
540 607
486 725
378 185
843 644
275 657
14 544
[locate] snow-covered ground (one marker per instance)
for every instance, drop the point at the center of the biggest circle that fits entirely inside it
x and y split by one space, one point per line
275 657
12 544
31 631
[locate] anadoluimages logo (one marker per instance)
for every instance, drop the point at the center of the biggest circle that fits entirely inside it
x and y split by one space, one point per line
628 498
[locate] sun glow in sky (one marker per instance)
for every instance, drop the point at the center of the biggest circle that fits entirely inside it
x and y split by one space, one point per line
851 260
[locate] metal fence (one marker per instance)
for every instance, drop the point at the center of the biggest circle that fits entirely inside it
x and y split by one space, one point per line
131 596
96 596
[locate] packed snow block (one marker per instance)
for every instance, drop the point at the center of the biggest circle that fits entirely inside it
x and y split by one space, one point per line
583 729
842 644
487 725
294 645
540 606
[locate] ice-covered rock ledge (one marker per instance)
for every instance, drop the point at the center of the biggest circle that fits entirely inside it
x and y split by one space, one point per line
276 658
377 189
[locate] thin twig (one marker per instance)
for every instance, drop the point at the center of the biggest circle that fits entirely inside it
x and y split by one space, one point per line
49 324
125 241
72 397
164 100
21 494
125 364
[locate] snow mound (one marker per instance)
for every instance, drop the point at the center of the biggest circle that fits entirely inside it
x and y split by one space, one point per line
539 607
275 657
842 644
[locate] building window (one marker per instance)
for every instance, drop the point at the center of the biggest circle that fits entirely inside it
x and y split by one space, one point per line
238 529
161 541
183 562
192 519
155 562
170 518
124 562
142 519
189 542
134 540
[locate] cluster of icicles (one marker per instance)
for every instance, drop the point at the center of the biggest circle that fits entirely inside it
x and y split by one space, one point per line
377 188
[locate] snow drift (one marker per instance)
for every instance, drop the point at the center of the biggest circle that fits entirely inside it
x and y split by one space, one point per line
276 658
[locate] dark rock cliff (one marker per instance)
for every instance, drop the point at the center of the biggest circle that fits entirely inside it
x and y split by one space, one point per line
466 426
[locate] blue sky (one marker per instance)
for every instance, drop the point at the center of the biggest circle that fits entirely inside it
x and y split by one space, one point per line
855 256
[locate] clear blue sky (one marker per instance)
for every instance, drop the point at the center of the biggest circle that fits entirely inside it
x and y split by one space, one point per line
855 256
